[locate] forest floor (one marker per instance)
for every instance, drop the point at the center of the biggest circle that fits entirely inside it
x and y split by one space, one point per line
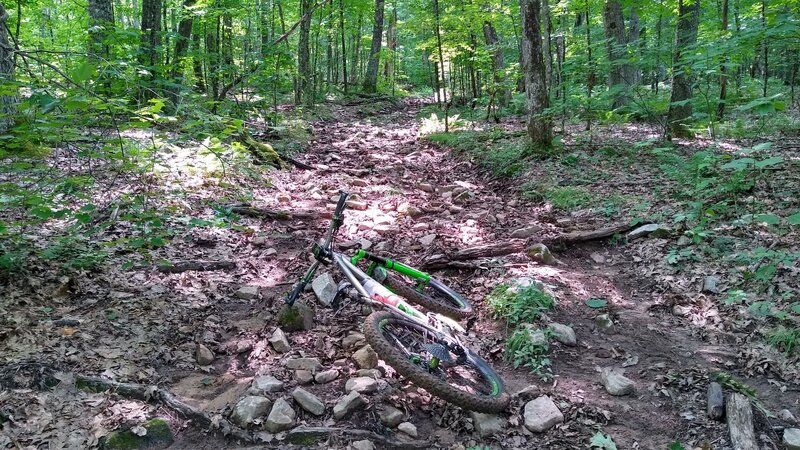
142 326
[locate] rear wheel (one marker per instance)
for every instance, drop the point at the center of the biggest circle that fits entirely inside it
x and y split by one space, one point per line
424 358
435 296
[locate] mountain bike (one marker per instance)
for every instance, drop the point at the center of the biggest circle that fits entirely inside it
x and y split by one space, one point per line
423 347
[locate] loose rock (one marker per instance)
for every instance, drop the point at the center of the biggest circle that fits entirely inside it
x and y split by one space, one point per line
787 416
279 341
326 376
524 233
364 385
372 373
541 254
715 402
303 376
158 436
390 416
366 358
203 355
267 383
249 409
427 240
710 285
615 383
347 404
364 444
487 424
791 438
325 288
308 401
247 292
281 418
298 317
353 340
564 334
408 428
310 364
542 414
653 229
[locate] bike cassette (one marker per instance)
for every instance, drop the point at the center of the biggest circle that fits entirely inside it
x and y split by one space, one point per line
439 352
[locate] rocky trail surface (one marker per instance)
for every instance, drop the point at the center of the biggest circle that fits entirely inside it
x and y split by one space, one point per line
636 370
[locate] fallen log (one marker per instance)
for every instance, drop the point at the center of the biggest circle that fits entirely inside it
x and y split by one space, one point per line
200 266
262 152
252 211
740 422
481 251
590 235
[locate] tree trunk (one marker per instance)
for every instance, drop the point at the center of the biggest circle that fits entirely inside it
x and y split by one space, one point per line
354 68
616 44
547 50
101 24
539 128
302 93
344 48
182 41
436 13
391 44
8 103
723 77
197 64
634 74
680 108
151 33
371 78
765 48
498 65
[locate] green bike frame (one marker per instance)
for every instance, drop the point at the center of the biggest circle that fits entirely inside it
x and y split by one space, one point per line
375 261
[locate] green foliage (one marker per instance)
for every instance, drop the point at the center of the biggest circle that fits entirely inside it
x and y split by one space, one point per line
785 339
501 154
522 351
519 305
603 442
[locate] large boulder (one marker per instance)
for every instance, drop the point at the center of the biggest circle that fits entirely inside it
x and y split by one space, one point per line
281 417
248 409
154 434
542 414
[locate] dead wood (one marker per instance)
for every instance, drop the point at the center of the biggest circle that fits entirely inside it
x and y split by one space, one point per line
200 266
252 211
481 251
588 235
740 422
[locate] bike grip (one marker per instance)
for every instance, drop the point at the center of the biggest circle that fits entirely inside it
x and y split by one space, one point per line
298 288
340 206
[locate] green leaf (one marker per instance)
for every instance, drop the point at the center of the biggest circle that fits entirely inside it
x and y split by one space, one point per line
769 162
112 315
762 146
84 72
795 307
739 164
794 219
603 441
769 219
676 446
760 309
597 303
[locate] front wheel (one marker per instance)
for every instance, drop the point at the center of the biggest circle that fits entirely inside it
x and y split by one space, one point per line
423 357
435 296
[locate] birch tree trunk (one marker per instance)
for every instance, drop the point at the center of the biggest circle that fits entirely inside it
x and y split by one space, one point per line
539 127
8 103
680 108
371 77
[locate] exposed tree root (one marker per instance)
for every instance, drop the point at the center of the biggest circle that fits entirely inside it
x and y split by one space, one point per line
252 211
262 152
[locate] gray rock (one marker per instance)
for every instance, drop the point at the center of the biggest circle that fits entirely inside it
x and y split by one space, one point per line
597 258
537 336
427 239
298 317
303 376
372 373
364 444
347 404
310 364
308 436
326 376
353 340
267 383
408 428
363 385
564 334
787 416
524 233
541 254
325 288
203 355
390 416
357 205
653 229
247 292
603 321
279 341
249 409
281 417
710 285
791 438
518 284
463 197
487 424
615 383
366 358
308 401
157 436
425 187
542 414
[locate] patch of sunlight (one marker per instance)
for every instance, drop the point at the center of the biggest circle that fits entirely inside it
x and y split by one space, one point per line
434 124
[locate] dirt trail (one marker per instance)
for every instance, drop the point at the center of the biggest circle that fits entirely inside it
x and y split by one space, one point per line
403 193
